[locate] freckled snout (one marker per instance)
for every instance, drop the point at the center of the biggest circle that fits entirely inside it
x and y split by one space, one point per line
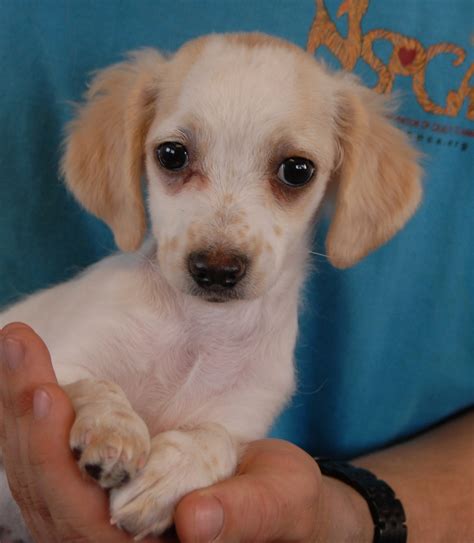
217 269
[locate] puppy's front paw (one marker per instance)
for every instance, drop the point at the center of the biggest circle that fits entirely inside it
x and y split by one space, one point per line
180 462
109 440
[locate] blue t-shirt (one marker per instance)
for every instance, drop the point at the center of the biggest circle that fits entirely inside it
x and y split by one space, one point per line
386 348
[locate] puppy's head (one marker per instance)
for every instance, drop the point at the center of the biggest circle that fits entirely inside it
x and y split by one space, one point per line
239 136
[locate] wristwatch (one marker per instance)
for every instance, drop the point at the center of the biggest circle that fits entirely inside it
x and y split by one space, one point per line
386 510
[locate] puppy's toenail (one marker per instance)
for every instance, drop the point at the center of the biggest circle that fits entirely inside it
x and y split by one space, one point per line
94 470
77 453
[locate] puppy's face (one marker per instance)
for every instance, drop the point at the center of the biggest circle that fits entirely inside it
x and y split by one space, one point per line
237 164
239 136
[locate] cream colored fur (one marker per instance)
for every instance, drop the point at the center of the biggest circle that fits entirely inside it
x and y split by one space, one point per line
206 378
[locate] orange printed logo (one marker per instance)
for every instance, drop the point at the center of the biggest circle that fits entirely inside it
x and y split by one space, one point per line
409 57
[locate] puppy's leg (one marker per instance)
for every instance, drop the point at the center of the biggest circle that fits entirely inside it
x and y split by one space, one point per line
110 441
180 461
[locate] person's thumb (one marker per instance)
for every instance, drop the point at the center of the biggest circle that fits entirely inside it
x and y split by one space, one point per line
274 498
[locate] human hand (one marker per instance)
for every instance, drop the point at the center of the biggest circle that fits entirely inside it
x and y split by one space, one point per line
277 495
58 505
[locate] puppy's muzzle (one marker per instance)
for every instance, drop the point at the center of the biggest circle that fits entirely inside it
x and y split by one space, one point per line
211 269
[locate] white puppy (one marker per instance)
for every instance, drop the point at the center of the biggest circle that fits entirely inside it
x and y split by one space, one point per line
178 352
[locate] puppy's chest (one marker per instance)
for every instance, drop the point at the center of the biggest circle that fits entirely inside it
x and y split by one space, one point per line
183 374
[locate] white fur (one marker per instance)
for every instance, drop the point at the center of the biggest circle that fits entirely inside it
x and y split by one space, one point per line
205 377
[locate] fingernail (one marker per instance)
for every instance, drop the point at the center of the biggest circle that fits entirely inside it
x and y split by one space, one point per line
208 519
41 404
13 352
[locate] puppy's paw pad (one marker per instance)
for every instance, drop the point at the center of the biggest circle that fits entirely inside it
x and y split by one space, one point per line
93 470
77 453
110 449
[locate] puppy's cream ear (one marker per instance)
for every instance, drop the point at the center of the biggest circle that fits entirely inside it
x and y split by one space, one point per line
103 159
378 177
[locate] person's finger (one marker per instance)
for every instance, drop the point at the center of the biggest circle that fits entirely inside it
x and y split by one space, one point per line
82 508
52 461
40 416
44 462
274 497
16 341
27 364
83 504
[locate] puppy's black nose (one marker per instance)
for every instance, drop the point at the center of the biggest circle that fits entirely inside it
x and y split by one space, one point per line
214 268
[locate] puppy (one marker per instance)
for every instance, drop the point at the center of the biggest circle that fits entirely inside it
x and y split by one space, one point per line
179 350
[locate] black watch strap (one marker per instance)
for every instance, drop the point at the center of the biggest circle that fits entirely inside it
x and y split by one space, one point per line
386 510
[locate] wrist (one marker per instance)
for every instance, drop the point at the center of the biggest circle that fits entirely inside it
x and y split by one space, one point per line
345 515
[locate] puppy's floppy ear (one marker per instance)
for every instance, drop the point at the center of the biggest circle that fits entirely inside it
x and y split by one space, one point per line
378 177
103 159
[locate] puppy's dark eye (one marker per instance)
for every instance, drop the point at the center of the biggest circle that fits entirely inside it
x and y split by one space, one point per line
172 155
296 171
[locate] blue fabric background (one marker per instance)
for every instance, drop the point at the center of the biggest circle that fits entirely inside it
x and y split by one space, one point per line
386 348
